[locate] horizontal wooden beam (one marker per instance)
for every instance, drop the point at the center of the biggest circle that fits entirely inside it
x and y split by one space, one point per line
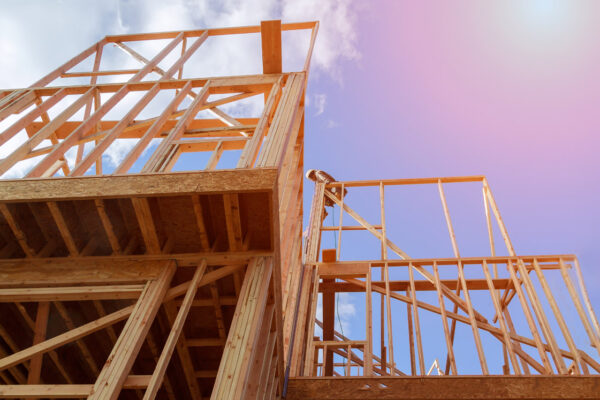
219 85
80 74
209 128
64 391
345 270
548 258
211 32
45 391
348 228
407 181
104 270
420 285
139 185
73 293
67 272
445 387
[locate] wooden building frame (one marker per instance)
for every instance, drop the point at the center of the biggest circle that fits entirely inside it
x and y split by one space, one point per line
155 278
326 364
142 280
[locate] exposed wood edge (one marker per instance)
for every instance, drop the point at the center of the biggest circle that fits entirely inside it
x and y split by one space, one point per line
117 261
550 258
219 84
420 285
65 272
211 32
139 185
271 46
409 181
446 387
77 293
64 391
119 270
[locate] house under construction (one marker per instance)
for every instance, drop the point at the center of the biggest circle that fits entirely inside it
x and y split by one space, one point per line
181 271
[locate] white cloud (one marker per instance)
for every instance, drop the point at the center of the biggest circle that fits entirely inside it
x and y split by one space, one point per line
320 101
32 45
332 124
344 314
337 30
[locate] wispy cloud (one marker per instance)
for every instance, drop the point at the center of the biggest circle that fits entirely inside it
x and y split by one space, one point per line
344 314
320 101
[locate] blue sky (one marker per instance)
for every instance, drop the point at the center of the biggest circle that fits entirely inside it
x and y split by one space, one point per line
402 89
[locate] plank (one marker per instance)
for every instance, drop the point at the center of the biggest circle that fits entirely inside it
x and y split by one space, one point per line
203 236
65 233
447 387
219 181
68 272
146 222
63 391
16 230
41 325
270 34
70 293
420 285
232 220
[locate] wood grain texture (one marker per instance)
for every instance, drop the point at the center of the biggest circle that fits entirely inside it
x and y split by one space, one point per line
447 388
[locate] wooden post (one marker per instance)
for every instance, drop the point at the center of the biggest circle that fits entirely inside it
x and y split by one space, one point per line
444 319
413 295
368 353
328 256
411 337
41 323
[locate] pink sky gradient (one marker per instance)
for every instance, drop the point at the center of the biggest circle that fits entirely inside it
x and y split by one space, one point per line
507 89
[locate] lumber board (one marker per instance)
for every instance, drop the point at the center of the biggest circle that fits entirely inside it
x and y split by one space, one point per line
445 387
141 185
408 181
75 293
270 33
76 272
211 32
71 391
220 85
